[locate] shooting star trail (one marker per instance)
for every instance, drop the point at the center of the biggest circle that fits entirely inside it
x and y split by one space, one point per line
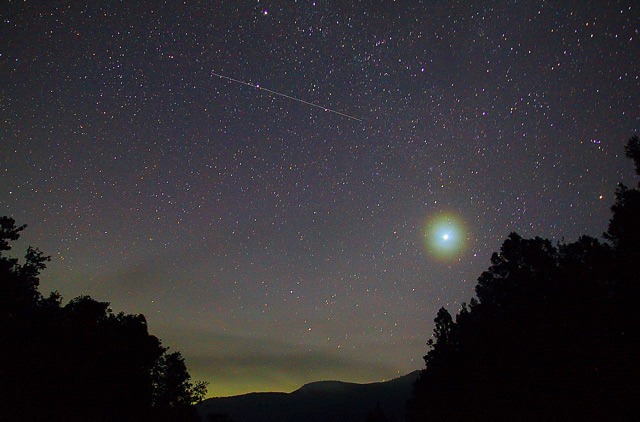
285 96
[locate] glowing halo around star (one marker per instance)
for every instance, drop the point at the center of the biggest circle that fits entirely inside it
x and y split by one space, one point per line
445 236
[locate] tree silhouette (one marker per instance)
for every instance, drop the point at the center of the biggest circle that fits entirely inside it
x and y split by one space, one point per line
554 333
80 361
173 392
632 151
624 226
19 286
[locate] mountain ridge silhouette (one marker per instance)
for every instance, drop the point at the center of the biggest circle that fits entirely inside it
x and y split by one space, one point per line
319 401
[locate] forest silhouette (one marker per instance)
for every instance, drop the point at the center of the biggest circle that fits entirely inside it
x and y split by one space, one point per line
552 335
80 361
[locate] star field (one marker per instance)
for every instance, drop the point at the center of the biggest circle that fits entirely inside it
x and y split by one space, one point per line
274 243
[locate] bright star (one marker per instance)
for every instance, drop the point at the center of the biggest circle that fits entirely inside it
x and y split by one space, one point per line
445 236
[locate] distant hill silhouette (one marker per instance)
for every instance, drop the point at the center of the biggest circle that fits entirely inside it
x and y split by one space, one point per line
322 401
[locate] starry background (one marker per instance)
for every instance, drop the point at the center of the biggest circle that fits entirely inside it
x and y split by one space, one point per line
274 243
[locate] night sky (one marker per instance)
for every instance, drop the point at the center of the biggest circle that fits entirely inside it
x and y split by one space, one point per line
275 243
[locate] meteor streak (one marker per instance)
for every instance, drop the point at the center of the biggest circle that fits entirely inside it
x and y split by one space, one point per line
285 96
